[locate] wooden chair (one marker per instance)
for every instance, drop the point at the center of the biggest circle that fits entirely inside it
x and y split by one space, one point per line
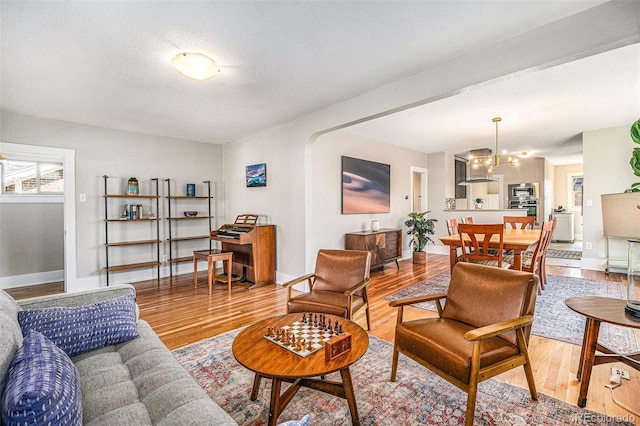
519 222
337 287
466 220
534 260
452 226
482 331
474 240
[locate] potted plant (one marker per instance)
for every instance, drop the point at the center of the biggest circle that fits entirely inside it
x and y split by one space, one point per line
420 227
635 156
478 203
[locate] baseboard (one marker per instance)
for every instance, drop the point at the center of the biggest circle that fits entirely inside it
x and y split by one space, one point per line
438 249
31 279
593 264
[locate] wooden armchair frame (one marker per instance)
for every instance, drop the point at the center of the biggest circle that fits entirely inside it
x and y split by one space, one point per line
477 336
349 293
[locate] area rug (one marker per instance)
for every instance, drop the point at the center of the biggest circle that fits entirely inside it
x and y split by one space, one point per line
418 397
564 254
552 318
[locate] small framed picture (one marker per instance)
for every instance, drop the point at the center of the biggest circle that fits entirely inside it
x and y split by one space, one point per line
256 175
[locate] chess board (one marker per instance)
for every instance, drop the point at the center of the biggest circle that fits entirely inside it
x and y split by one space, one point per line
308 332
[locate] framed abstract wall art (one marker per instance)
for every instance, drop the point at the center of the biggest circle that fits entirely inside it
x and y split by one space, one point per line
366 186
256 175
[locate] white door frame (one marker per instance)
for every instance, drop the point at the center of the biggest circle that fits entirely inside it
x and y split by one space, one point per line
68 157
423 190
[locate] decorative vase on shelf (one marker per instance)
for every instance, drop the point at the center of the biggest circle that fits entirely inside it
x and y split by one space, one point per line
633 279
132 187
478 205
375 225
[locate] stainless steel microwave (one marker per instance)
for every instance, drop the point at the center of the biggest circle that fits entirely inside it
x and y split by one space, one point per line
523 191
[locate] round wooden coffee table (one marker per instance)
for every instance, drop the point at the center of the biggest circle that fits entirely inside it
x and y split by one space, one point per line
268 360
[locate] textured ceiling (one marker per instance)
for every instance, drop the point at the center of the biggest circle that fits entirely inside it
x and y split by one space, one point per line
108 63
542 113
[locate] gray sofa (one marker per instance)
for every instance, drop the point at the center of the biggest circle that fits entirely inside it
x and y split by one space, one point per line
138 382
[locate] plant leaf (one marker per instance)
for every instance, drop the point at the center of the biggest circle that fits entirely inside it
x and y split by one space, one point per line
635 132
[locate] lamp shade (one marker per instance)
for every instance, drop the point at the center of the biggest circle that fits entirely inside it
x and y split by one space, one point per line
195 65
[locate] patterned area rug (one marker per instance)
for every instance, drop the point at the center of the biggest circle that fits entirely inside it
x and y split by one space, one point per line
552 318
418 397
564 254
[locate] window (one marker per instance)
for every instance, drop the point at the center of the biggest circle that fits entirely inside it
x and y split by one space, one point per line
574 191
26 177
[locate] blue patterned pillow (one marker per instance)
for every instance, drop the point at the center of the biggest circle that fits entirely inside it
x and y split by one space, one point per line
81 329
43 386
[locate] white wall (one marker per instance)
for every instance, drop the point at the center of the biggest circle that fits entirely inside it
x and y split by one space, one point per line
606 171
32 242
329 225
281 202
102 151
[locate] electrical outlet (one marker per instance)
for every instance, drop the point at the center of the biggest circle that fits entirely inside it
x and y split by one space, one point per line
589 246
164 258
622 373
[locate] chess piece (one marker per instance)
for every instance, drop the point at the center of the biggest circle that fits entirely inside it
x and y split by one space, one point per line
309 347
304 318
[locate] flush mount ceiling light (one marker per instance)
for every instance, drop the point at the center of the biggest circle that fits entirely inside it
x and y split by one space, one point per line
195 65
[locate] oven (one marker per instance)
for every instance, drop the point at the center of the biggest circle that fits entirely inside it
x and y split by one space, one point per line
523 191
530 205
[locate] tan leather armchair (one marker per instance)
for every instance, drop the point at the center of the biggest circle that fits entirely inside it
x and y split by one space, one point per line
482 331
337 287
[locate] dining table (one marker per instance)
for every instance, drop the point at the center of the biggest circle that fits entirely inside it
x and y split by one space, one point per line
517 240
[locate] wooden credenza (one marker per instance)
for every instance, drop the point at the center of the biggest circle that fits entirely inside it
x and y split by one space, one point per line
384 245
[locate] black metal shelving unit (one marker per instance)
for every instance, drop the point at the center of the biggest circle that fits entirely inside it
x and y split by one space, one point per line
108 221
174 220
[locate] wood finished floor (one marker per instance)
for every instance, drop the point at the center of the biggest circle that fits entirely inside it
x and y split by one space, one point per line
182 314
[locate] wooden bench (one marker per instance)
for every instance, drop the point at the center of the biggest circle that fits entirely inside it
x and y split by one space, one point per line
211 257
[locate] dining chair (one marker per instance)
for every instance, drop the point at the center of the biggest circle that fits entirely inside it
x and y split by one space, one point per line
337 287
533 260
466 220
452 226
482 331
519 222
475 240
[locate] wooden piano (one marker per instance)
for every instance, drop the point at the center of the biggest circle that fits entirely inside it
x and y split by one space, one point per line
253 247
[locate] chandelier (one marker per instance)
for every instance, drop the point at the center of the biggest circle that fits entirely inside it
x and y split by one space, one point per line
483 158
